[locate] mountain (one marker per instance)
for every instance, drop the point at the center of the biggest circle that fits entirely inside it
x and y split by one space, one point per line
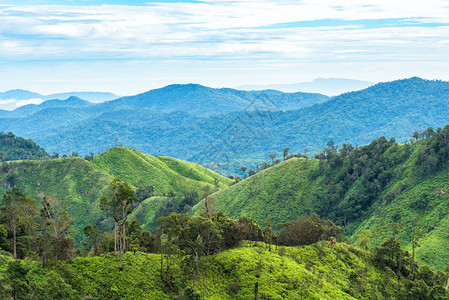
326 86
30 109
202 100
13 147
363 188
94 97
13 99
19 95
81 183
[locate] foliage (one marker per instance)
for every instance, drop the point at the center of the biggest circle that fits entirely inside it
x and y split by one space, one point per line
13 147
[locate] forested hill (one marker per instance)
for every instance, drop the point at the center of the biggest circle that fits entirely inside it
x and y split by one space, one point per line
361 188
16 148
81 183
202 100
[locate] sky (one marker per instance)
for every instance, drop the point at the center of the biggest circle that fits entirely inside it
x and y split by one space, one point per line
127 47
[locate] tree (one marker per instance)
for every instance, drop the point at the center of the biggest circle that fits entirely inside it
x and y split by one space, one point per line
118 203
92 234
56 220
417 234
17 209
243 169
268 234
286 153
272 156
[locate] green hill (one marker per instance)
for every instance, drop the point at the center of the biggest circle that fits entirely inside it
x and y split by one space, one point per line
74 180
13 147
81 183
163 173
280 193
361 188
317 271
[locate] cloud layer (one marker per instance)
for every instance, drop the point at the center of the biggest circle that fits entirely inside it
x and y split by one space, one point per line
231 36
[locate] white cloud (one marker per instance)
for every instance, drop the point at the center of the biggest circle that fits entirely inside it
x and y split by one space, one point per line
11 104
250 30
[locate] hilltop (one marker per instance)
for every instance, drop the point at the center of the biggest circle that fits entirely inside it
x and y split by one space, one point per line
13 147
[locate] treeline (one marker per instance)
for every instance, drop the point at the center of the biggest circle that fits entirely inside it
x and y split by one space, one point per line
374 167
13 147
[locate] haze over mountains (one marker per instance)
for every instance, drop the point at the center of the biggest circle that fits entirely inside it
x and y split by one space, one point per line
326 86
12 99
222 126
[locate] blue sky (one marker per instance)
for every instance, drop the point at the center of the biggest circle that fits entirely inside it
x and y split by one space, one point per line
128 47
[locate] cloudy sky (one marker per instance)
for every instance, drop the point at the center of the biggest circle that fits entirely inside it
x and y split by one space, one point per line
127 47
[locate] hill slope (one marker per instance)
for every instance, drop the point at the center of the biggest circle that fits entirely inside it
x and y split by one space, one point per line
363 188
81 183
163 173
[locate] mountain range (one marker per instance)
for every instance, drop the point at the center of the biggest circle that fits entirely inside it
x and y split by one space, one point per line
229 128
13 99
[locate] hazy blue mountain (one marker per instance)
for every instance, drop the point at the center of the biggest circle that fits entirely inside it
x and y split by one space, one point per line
326 86
202 100
19 95
94 97
33 108
13 99
386 109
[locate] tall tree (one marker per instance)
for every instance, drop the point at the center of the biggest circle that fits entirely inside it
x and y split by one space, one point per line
417 234
118 203
17 209
286 153
56 220
92 234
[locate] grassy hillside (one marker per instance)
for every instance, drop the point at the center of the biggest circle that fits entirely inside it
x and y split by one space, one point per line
313 272
365 188
74 180
164 173
81 183
280 193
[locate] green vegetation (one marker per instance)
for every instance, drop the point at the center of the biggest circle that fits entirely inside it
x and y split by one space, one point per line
183 121
317 271
81 183
362 188
15 148
165 174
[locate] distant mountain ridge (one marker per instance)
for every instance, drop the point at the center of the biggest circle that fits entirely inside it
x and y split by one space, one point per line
12 99
201 100
326 86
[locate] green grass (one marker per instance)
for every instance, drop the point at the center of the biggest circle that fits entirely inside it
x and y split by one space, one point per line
164 173
280 193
